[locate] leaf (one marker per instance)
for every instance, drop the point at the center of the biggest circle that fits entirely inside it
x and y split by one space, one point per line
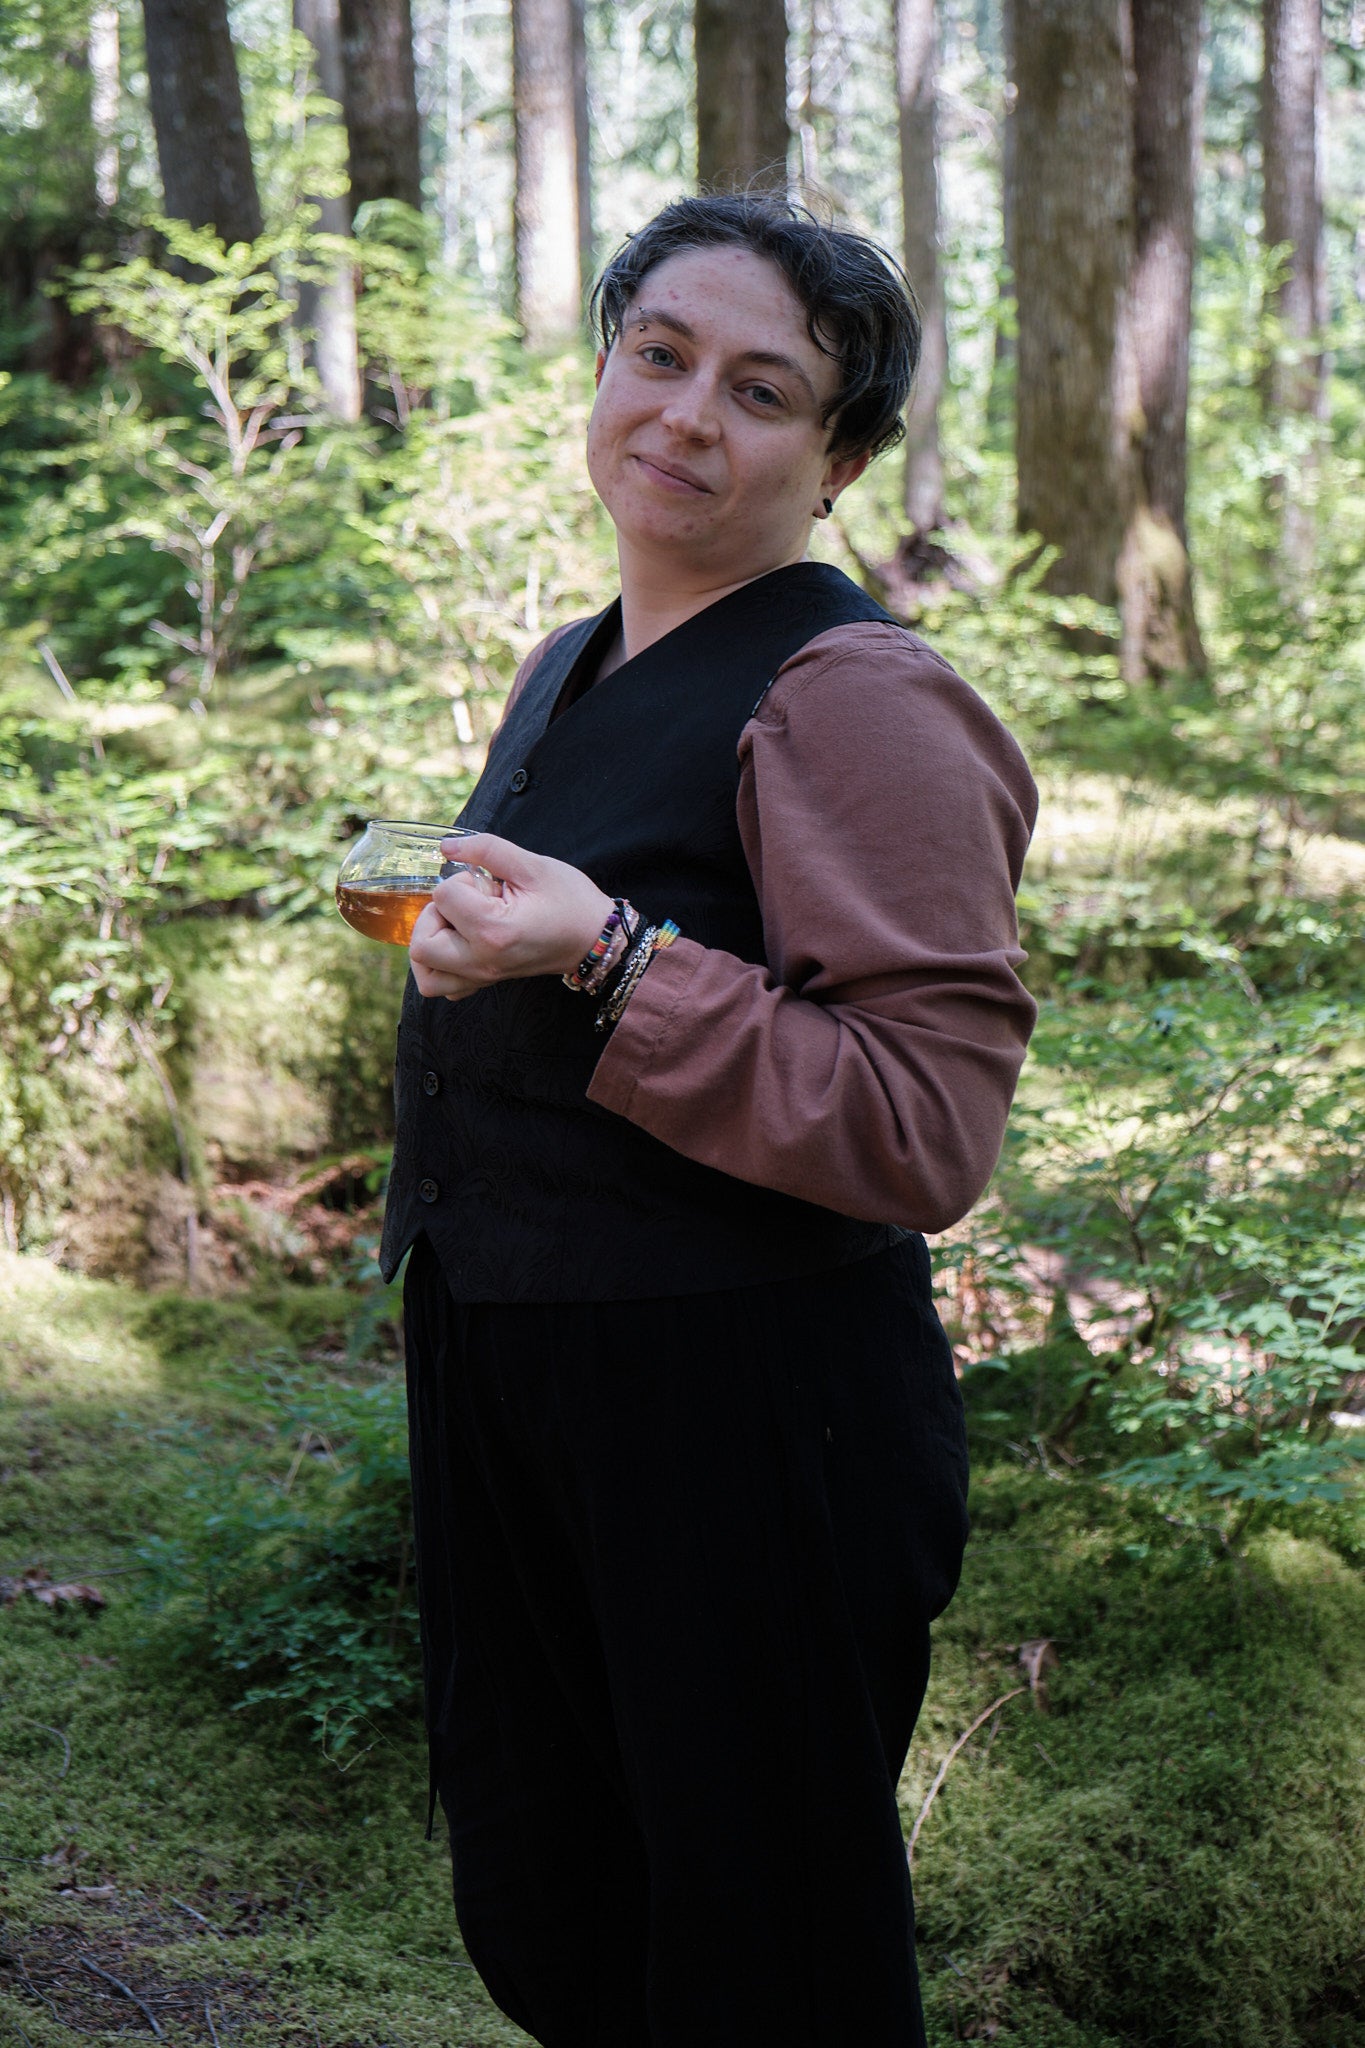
1038 1656
72 1593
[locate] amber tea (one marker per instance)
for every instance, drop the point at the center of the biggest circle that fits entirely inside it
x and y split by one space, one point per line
386 909
390 872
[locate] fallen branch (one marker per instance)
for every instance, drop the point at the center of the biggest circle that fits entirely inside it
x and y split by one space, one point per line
195 1914
942 1773
30 1986
119 1985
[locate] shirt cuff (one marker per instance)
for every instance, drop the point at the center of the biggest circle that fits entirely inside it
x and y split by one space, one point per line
641 1037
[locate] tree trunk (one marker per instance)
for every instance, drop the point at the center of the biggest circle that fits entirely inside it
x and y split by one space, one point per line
1165 150
380 100
544 100
916 84
1078 417
104 98
1291 150
582 129
328 308
1000 397
741 50
201 139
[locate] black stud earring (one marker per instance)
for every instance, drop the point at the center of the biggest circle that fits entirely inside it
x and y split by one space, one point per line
829 506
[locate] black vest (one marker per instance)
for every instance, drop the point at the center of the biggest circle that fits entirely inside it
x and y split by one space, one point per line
527 1190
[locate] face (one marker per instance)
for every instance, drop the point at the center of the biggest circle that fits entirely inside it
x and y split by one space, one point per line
707 443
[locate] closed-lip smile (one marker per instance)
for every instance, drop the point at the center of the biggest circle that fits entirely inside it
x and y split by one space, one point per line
674 472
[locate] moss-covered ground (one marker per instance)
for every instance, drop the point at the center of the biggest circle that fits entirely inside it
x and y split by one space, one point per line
1169 1854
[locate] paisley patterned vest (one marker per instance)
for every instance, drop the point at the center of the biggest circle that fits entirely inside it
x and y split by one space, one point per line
527 1190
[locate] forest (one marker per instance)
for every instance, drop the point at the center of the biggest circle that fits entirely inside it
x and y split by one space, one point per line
294 377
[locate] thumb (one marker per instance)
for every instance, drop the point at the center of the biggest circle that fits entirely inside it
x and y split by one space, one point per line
508 863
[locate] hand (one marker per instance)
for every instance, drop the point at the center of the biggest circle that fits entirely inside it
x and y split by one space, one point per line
540 917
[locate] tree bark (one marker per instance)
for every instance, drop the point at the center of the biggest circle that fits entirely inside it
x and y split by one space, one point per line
582 128
1291 151
104 98
916 92
328 308
1078 416
548 228
1165 150
201 139
380 100
741 48
1000 397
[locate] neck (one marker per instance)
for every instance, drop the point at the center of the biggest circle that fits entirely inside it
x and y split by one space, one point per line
655 598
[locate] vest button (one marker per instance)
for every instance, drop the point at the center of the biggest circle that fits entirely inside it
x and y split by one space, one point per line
428 1190
519 782
431 1084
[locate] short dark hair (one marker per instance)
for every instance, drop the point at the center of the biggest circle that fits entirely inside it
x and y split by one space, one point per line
860 308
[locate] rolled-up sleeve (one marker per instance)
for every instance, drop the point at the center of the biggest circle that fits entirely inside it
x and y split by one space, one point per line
869 1066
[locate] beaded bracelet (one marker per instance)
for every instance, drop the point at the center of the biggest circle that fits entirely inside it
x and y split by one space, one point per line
597 952
603 976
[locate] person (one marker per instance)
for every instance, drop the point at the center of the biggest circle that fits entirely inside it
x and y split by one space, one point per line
688 1453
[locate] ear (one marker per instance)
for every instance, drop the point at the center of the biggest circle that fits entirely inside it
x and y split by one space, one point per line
839 475
599 366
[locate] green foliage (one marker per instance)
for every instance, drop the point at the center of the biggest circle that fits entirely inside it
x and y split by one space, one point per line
290 1570
350 605
231 498
1190 1158
1247 1398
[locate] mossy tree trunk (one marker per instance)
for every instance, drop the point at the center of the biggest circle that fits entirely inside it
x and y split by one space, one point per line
547 65
916 96
381 101
1162 624
201 141
742 132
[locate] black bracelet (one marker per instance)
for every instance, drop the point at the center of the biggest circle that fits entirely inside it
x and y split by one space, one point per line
613 981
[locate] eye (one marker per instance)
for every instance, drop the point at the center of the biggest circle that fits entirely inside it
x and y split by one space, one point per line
662 357
765 395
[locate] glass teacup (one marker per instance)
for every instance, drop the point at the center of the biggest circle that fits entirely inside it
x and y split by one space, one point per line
387 877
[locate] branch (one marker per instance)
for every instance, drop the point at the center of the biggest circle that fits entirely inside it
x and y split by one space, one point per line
119 1985
960 1744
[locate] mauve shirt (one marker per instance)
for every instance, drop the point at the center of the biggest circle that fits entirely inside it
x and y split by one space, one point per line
869 1066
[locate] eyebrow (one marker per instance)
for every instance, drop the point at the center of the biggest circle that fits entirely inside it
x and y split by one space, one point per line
769 358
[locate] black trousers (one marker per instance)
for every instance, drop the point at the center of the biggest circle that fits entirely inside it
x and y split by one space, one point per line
677 1561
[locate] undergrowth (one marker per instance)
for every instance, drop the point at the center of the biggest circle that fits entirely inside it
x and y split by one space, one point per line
1168 1857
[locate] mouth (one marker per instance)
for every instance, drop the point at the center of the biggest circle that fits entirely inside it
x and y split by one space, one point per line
673 476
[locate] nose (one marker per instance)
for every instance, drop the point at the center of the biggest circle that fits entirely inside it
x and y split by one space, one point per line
692 410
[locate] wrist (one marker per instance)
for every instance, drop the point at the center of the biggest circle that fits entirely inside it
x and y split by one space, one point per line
594 922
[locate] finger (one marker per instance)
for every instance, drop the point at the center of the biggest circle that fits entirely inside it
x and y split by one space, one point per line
466 906
449 986
453 987
439 949
430 925
510 863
